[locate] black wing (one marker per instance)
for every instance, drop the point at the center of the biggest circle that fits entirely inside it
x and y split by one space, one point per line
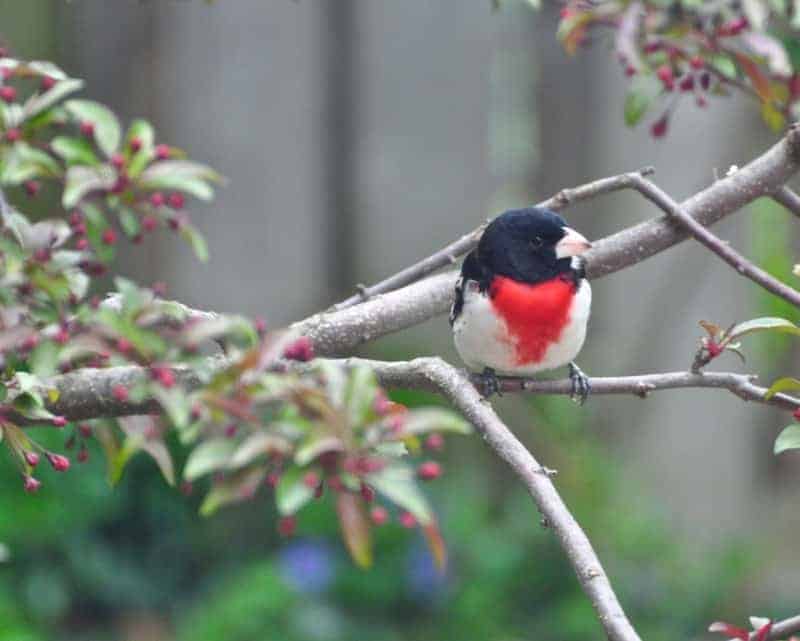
470 270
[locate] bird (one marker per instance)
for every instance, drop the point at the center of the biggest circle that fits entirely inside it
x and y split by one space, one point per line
522 300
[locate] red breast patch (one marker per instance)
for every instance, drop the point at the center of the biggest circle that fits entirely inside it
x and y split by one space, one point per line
534 314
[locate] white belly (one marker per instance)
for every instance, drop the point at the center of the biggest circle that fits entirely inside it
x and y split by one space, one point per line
482 338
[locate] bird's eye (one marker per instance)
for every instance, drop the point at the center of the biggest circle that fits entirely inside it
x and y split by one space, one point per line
536 242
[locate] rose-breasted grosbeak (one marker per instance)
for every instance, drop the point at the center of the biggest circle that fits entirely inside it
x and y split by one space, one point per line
522 302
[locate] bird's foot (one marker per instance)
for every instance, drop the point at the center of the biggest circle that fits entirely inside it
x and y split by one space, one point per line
489 382
581 387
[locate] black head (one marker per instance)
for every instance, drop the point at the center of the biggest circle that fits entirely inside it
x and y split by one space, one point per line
529 245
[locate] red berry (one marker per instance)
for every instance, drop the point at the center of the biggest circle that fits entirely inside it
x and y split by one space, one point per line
8 93
83 455
630 71
85 429
164 376
32 458
659 127
149 223
696 62
687 83
713 349
58 462
118 161
176 200
311 480
407 520
301 349
48 82
81 244
135 144
13 134
124 345
367 493
379 515
79 229
109 236
59 421
429 470
61 336
75 218
335 483
30 342
87 128
121 393
287 526
162 152
260 326
434 442
32 485
120 184
666 76
32 188
42 254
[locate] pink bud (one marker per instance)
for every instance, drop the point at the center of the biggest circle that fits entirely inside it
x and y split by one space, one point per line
87 128
429 470
162 152
58 462
59 421
434 442
408 520
31 485
301 349
379 515
121 393
32 458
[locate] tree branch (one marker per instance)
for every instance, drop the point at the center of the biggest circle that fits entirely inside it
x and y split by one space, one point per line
788 198
741 264
338 332
781 629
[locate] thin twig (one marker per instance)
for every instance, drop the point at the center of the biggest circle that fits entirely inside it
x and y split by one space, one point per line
788 198
447 255
741 264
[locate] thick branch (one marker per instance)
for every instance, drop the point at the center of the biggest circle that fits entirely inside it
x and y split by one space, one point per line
340 331
89 393
782 629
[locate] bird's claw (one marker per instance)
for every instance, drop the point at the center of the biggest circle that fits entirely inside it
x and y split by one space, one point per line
581 387
489 382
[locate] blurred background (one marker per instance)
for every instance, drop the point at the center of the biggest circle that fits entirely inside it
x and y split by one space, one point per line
359 136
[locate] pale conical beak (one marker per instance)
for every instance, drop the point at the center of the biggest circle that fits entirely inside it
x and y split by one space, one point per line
573 244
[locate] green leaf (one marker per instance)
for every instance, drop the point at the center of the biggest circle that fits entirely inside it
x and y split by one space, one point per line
147 342
236 488
360 392
183 175
355 528
316 445
788 439
207 457
196 241
764 324
724 64
82 180
397 483
257 444
175 403
425 420
143 132
143 435
129 221
44 359
107 131
292 493
75 151
37 103
786 384
640 96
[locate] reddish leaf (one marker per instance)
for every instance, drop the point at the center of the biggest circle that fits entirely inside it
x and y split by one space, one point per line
355 528
757 78
436 545
763 632
729 630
